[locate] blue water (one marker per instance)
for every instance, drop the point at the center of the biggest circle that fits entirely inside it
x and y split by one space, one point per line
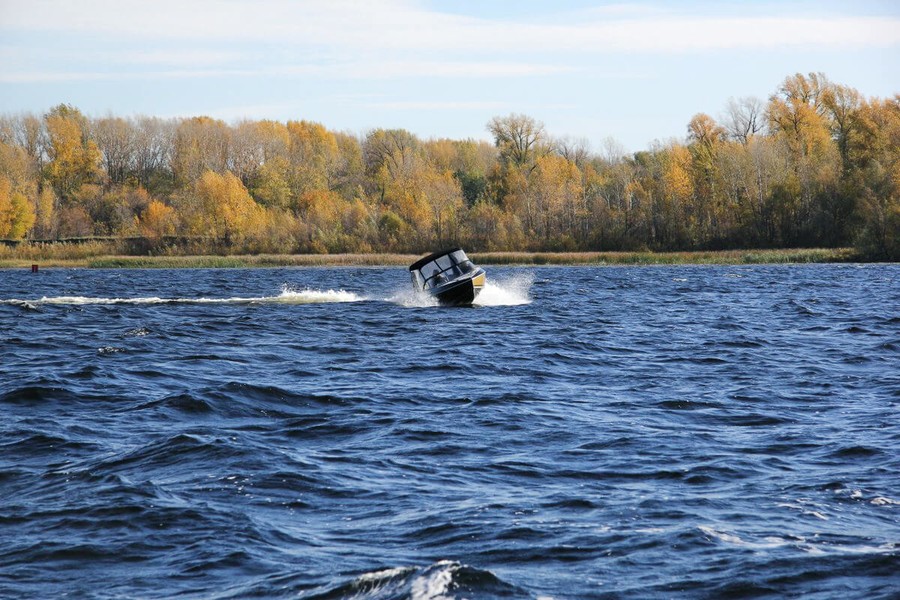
586 432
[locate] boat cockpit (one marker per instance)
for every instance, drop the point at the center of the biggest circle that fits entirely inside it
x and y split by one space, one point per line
436 271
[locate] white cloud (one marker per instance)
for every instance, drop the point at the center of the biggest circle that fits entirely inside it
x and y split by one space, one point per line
76 76
406 25
349 70
388 39
184 57
395 69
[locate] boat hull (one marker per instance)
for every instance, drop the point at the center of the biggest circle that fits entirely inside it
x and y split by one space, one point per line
460 292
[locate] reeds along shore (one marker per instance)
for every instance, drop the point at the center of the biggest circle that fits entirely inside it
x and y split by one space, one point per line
98 255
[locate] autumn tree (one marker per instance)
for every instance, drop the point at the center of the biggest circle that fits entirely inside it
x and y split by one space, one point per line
675 218
520 139
320 210
469 161
842 103
46 218
488 227
609 192
23 201
115 139
574 150
154 154
662 189
114 210
398 167
200 144
797 117
314 157
705 141
16 212
556 194
27 133
744 118
74 159
349 176
157 220
271 184
220 207
359 225
262 161
443 194
875 146
389 155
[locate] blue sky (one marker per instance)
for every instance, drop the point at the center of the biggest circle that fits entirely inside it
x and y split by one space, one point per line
631 71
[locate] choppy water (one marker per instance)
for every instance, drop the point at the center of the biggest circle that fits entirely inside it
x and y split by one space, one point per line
322 433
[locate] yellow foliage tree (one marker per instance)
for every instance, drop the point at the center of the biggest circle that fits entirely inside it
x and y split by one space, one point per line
674 218
157 220
271 185
876 146
314 156
359 225
321 211
16 212
225 210
443 195
676 174
6 215
45 213
556 187
201 144
74 159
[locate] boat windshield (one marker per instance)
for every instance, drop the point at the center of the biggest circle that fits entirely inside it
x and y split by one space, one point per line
442 269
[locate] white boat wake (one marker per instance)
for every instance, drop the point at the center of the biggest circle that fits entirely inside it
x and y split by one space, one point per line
287 296
513 291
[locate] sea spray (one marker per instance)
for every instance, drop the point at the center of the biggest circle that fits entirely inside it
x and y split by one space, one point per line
409 298
508 291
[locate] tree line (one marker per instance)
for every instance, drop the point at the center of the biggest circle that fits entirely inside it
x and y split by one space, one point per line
815 165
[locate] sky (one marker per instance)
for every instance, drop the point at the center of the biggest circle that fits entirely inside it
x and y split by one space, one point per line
626 74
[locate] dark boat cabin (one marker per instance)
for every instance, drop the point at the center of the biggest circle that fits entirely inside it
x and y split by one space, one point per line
440 268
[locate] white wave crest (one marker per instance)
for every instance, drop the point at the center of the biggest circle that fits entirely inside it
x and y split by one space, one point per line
882 501
434 584
82 300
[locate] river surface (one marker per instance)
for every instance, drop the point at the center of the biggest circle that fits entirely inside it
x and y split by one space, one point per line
584 432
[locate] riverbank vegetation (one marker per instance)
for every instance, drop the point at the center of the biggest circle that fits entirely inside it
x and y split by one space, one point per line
817 165
108 255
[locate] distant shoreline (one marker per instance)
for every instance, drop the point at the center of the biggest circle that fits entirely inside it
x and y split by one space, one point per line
723 257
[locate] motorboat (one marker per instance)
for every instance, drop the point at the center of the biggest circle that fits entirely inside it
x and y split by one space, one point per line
449 276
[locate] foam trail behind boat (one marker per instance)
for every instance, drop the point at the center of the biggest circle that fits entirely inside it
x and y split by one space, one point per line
287 296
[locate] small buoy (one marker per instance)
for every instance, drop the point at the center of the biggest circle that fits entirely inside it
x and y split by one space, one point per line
34 269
